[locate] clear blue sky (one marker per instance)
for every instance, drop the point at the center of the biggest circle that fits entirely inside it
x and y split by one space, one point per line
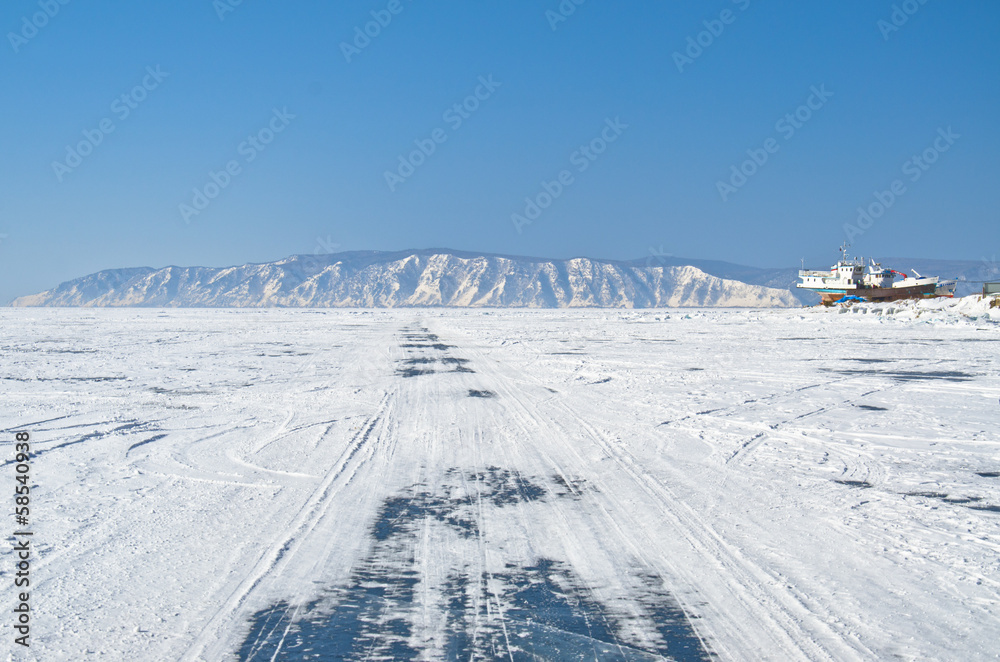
320 182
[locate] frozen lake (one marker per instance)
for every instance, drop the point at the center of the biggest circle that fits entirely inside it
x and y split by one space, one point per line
456 484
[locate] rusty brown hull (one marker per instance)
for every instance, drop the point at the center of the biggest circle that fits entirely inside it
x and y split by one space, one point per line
882 293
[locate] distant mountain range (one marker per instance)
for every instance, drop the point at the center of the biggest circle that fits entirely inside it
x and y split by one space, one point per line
441 277
373 279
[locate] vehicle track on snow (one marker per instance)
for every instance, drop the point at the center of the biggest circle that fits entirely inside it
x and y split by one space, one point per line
740 455
530 423
565 530
758 590
282 551
759 593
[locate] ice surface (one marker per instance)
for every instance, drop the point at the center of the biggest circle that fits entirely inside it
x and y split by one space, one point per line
446 484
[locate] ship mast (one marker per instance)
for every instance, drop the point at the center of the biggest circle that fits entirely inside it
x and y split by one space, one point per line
843 252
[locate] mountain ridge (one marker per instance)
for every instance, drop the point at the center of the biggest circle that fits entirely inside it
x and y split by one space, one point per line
414 278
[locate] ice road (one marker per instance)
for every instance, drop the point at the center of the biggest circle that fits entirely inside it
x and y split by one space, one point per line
521 485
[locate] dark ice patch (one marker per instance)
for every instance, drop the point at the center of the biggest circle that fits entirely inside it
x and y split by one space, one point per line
962 500
95 379
354 627
679 640
548 614
414 372
159 390
988 474
946 375
853 483
872 408
473 393
438 346
425 366
420 360
398 514
567 486
928 495
536 611
454 503
909 375
971 502
504 487
425 337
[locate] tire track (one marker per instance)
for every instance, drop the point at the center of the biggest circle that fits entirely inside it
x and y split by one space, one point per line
528 422
360 451
783 609
739 456
754 589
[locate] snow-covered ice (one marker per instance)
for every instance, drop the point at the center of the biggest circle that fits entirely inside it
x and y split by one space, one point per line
443 484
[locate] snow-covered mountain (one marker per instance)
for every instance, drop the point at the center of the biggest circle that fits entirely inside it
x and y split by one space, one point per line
414 278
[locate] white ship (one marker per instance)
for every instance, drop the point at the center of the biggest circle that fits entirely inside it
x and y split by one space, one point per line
849 279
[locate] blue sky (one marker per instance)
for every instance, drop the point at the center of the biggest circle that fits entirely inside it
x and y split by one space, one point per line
647 111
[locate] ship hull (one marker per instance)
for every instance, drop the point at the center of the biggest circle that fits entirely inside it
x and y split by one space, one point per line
828 297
